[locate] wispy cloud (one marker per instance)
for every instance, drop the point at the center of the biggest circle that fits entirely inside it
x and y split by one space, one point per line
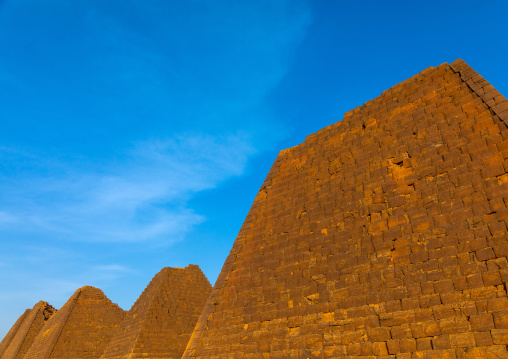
153 70
48 282
7 218
119 117
112 268
150 71
151 66
107 273
143 197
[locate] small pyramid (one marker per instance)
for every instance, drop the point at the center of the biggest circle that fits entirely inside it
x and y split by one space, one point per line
32 323
80 329
12 332
384 235
161 321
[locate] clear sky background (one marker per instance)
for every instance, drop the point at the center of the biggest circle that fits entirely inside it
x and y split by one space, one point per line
135 134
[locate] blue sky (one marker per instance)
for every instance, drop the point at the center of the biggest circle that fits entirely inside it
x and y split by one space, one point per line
136 134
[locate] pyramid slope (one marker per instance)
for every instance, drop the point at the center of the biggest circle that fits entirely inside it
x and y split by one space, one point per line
161 321
382 235
80 329
12 332
28 330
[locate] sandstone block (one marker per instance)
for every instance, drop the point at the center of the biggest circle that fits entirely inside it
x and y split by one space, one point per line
409 181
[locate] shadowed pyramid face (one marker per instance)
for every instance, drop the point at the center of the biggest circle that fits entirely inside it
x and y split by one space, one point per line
383 234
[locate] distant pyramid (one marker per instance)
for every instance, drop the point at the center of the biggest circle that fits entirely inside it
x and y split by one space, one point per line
161 321
383 235
80 329
29 328
12 332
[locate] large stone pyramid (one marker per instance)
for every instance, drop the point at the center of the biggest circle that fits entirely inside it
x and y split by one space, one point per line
381 236
161 321
26 329
81 329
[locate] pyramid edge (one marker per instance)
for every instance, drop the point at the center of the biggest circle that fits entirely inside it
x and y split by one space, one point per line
51 346
13 331
29 321
491 97
226 268
481 87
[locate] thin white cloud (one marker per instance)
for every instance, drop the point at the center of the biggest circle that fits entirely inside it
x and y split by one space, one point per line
140 75
112 268
106 273
7 218
215 65
56 290
142 198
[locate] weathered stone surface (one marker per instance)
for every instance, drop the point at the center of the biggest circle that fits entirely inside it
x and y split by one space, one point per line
161 321
383 235
12 332
28 330
80 329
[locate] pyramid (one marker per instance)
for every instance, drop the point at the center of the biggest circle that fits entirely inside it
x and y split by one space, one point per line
383 235
161 321
80 329
24 331
30 324
12 332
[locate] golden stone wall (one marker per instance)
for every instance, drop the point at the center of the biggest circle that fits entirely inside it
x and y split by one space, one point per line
381 236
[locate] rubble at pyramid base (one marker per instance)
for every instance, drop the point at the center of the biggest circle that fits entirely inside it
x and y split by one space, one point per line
383 235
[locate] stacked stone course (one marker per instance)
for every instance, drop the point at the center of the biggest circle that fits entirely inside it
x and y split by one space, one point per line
22 334
12 332
32 323
161 321
81 329
381 236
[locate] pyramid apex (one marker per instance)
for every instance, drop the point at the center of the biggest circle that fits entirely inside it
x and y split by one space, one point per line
188 267
459 65
25 333
173 299
194 268
89 292
88 314
88 287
